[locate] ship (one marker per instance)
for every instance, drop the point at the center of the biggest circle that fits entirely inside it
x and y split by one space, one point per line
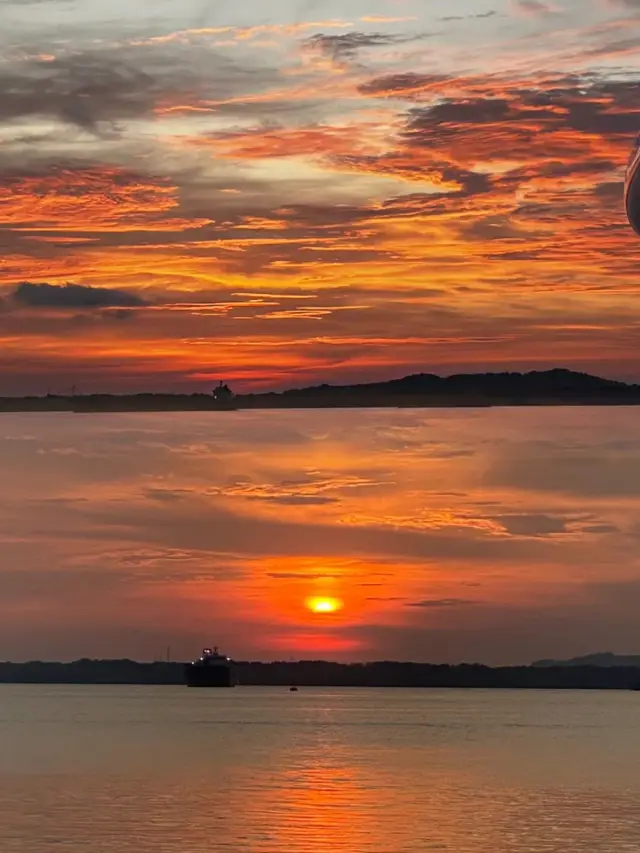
211 669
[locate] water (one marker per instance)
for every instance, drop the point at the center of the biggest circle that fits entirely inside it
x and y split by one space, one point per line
87 769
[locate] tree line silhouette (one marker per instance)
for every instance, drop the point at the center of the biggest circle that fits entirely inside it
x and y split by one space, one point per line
318 673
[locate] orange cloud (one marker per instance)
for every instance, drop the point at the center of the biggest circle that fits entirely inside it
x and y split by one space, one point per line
97 199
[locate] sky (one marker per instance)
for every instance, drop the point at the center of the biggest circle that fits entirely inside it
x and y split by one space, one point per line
499 536
288 192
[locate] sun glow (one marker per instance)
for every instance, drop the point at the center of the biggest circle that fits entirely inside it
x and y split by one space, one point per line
323 605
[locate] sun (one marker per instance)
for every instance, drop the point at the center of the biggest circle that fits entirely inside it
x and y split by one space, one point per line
323 605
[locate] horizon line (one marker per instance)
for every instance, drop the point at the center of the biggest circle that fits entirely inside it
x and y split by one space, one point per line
73 390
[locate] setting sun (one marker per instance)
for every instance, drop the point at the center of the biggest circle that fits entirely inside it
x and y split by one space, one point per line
323 605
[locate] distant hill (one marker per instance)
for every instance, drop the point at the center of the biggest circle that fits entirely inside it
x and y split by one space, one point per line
557 387
548 387
557 380
607 659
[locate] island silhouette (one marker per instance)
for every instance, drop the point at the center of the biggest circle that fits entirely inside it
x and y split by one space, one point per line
555 387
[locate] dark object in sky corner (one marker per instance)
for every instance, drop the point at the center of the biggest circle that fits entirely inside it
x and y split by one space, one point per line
632 187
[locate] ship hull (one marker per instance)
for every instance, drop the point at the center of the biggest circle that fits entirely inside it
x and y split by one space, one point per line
209 676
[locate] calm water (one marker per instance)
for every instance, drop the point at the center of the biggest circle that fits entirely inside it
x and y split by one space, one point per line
164 769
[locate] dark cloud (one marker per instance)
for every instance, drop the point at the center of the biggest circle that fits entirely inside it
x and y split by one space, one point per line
346 45
479 111
585 104
469 183
100 90
165 495
294 576
43 295
489 228
441 602
562 128
384 597
299 500
532 525
600 529
85 90
602 107
490 13
400 83
614 47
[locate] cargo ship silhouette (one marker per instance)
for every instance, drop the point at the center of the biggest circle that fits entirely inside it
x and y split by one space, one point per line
211 669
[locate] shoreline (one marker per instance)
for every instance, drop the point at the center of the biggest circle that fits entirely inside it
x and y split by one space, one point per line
328 674
185 403
465 687
556 387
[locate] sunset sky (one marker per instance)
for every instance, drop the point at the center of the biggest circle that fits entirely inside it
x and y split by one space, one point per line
494 535
285 192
